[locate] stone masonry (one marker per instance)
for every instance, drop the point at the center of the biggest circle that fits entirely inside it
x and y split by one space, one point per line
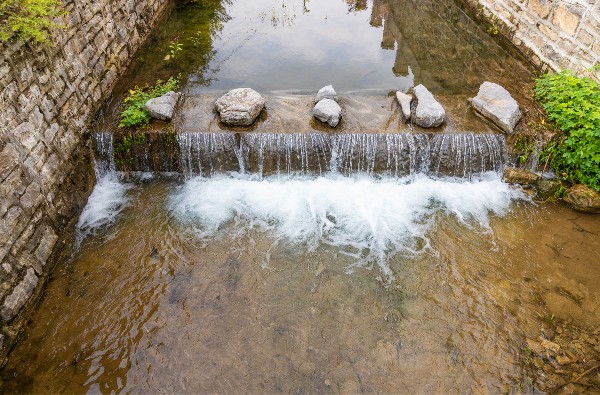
553 34
48 96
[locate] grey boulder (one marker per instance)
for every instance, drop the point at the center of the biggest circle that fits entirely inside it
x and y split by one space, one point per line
326 92
429 112
327 110
162 107
495 103
404 100
240 107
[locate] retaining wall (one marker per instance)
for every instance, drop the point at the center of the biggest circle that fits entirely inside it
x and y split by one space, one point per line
48 96
553 34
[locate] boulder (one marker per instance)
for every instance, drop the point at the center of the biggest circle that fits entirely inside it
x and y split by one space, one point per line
520 176
240 107
328 111
326 92
429 112
495 103
404 100
162 107
582 198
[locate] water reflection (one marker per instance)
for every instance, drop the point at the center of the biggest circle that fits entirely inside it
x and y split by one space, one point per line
376 46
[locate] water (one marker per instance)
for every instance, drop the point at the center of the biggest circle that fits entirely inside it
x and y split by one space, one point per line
230 283
463 155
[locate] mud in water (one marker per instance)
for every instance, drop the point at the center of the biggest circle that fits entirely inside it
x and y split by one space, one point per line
152 304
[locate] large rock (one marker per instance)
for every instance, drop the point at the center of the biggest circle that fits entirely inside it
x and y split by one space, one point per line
162 107
583 198
240 107
326 92
495 103
520 176
404 100
429 112
328 111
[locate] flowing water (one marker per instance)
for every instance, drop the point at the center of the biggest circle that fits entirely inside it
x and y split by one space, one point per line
313 262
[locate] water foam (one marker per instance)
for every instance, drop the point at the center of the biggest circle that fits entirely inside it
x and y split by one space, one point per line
104 204
365 217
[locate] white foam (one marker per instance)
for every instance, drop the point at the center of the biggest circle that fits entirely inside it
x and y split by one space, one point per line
104 204
363 216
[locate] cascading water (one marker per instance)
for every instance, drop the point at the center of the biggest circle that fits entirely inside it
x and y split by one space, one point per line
108 197
458 155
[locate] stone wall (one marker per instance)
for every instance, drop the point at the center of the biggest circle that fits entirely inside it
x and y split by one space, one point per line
553 34
48 97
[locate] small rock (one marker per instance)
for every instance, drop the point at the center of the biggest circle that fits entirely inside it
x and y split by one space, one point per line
328 383
429 112
582 198
328 111
240 107
404 100
519 176
562 360
326 92
534 346
162 107
495 103
548 345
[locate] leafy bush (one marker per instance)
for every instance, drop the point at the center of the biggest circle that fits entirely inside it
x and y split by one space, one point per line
573 103
135 114
28 19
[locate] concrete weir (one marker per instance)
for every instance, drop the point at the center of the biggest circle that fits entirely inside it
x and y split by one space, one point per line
290 113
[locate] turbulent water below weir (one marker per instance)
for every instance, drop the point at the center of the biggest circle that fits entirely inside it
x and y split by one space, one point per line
307 284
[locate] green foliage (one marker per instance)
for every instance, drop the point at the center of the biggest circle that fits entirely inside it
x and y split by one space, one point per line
174 48
125 145
524 146
28 19
135 114
573 103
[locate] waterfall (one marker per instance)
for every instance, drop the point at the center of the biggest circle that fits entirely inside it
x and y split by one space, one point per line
459 155
104 158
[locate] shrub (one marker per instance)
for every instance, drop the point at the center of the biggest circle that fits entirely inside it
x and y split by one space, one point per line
573 103
135 114
28 19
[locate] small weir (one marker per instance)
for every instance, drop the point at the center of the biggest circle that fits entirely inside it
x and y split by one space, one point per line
462 155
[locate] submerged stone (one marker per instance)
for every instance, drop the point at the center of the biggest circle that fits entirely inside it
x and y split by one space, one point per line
240 107
326 92
404 100
495 103
429 112
328 111
162 107
520 176
583 198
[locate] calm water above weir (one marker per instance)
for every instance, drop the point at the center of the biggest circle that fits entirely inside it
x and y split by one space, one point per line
310 263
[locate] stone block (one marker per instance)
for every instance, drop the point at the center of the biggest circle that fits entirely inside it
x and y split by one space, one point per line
46 244
17 299
540 7
566 19
9 157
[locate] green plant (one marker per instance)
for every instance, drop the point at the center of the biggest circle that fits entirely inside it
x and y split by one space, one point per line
135 114
524 146
28 19
573 104
174 48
